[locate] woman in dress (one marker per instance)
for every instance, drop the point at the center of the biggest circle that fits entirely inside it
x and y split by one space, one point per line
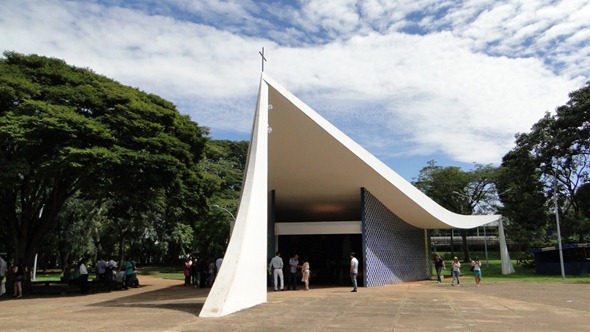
305 271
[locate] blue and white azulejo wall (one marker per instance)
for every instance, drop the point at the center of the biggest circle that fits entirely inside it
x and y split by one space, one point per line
394 251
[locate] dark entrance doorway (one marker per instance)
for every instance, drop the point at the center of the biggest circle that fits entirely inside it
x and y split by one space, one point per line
328 255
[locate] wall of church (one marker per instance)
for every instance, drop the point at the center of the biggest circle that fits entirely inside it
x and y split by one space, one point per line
394 251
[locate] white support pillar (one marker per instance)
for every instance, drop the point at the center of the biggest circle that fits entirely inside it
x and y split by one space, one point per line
241 282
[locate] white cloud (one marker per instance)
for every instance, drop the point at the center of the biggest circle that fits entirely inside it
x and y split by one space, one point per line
475 74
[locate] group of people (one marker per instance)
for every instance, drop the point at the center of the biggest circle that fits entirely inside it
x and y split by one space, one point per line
201 272
18 273
107 272
275 268
439 265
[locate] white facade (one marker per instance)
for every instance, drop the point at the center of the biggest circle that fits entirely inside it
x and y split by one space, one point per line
316 172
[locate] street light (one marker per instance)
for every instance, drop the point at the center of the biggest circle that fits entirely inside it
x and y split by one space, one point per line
558 228
232 222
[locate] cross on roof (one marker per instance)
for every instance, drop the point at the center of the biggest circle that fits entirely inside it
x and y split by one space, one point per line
263 58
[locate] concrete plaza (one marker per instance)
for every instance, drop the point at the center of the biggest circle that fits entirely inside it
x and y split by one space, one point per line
167 305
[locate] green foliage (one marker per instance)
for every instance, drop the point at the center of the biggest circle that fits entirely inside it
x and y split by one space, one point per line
66 130
472 192
552 159
224 163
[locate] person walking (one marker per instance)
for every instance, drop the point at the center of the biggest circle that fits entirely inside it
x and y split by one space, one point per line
456 271
476 265
439 264
305 272
276 267
354 271
293 266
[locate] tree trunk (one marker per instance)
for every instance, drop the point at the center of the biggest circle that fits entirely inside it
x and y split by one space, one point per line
465 247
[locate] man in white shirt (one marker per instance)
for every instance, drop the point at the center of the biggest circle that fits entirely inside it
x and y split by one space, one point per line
83 277
218 263
276 266
354 270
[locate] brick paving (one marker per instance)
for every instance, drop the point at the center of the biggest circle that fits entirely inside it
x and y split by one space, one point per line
167 305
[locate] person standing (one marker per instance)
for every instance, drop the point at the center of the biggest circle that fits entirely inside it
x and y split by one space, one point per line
211 272
476 264
111 270
19 277
305 271
195 277
3 270
218 263
456 270
130 274
83 277
293 266
101 269
186 270
276 266
439 264
354 270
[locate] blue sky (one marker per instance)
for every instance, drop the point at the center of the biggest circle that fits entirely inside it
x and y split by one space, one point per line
410 81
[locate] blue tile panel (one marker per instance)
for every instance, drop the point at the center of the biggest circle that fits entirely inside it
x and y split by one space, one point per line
394 250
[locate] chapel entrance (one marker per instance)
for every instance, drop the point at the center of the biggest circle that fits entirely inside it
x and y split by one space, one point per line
328 255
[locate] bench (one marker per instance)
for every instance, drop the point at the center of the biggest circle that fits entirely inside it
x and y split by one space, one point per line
65 287
52 286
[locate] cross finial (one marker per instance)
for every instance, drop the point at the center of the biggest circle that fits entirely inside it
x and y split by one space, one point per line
263 58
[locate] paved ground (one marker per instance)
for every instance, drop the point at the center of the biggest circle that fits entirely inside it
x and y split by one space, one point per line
166 305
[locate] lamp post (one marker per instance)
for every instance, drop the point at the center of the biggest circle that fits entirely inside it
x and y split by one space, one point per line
558 228
485 244
232 222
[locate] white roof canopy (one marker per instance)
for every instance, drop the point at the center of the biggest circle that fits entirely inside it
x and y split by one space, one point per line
317 172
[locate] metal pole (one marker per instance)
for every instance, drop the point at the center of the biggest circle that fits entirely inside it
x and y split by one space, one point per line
558 230
485 244
452 244
232 222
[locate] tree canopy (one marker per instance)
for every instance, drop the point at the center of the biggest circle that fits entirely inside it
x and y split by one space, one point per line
552 159
463 192
66 131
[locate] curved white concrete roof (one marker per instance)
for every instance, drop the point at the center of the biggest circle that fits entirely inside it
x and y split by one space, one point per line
317 172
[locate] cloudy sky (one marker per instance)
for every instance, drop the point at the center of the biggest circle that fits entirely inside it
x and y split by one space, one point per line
410 81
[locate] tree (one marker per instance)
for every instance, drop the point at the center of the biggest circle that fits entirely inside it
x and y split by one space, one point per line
224 163
472 192
556 155
67 130
523 200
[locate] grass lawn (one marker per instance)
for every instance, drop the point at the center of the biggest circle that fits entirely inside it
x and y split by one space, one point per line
490 273
157 271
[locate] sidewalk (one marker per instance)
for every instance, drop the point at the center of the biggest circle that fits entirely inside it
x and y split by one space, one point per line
167 305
